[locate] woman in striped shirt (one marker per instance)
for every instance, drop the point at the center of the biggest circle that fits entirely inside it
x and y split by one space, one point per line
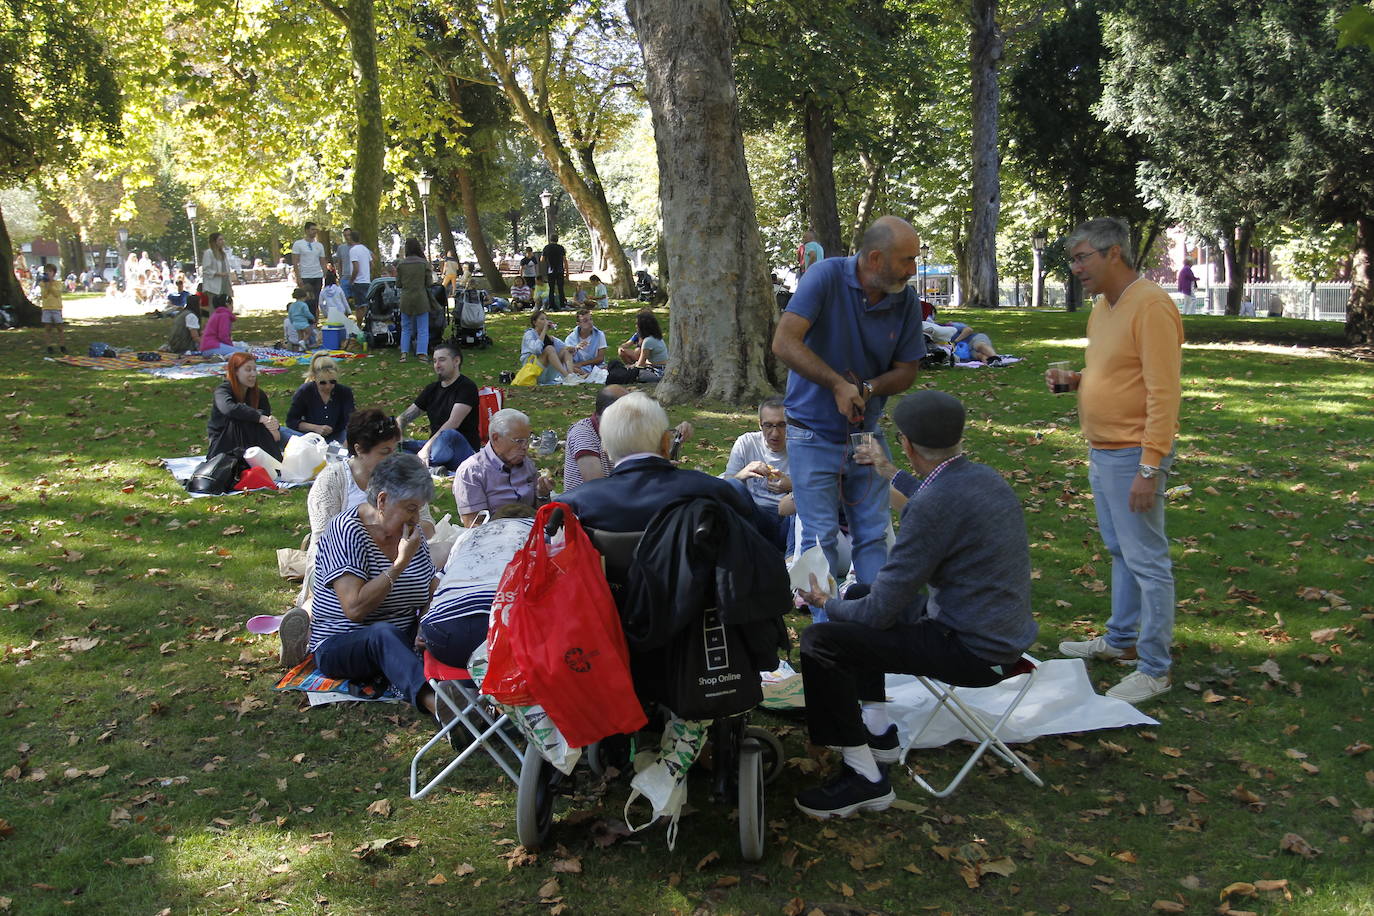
373 579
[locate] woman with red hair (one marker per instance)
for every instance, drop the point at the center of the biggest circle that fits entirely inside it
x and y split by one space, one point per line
241 416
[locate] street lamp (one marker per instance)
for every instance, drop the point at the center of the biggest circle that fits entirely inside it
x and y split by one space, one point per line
123 244
925 253
1038 242
547 199
195 250
422 181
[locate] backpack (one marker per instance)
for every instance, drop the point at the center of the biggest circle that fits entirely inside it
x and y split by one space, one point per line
217 474
101 351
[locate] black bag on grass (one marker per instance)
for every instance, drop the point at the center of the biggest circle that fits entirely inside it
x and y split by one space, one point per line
218 474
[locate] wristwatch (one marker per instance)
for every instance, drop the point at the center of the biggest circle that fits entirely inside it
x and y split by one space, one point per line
1147 471
868 390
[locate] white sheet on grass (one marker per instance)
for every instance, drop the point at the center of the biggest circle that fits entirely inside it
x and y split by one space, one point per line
1061 701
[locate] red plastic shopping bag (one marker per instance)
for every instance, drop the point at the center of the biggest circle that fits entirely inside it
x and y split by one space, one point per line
489 400
559 631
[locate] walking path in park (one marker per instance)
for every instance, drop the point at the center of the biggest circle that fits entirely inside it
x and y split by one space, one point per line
249 299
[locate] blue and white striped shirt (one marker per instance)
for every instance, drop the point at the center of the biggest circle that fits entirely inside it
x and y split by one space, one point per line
346 547
474 569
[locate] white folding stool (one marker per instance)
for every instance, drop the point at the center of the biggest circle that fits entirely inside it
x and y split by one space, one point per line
488 730
975 723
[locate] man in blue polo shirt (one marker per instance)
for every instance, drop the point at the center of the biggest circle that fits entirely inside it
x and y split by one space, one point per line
851 336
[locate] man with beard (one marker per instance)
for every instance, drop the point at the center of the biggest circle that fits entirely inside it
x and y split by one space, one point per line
852 337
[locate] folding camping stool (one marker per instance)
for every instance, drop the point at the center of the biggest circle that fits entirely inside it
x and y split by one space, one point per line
975 723
473 712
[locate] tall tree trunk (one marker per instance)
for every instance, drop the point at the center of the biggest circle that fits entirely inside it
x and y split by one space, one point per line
590 201
1237 256
369 159
961 256
445 226
819 129
985 55
468 195
12 294
1359 312
875 172
721 306
1073 287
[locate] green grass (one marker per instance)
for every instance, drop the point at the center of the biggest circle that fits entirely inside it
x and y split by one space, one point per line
122 626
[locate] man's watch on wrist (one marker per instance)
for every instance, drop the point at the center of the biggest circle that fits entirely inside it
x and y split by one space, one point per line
867 390
1147 471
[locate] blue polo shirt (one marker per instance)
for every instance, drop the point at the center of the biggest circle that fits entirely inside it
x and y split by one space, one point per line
850 336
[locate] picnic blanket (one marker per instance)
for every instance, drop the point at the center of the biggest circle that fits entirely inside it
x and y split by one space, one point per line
130 362
183 468
1002 361
1061 701
320 690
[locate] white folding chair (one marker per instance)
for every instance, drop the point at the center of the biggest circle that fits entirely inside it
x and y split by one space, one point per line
487 730
975 722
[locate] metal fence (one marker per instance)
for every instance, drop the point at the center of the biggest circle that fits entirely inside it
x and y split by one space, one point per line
1313 301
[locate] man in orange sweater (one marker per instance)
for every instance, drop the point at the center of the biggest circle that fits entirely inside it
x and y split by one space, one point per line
1128 401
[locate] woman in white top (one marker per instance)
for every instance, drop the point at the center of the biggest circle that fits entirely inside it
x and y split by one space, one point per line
214 268
551 352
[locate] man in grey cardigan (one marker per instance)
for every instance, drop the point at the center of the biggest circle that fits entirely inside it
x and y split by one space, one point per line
952 602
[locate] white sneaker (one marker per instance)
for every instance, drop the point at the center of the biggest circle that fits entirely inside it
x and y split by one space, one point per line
1098 649
1137 687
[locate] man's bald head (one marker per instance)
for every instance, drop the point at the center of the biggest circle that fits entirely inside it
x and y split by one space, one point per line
608 396
885 234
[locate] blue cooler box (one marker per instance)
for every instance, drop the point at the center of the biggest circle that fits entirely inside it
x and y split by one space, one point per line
332 338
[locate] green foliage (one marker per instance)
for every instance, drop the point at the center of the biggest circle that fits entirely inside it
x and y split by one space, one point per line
57 86
1356 26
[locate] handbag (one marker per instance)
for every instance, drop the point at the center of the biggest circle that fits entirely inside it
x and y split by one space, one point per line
709 675
528 374
489 400
216 475
555 638
292 563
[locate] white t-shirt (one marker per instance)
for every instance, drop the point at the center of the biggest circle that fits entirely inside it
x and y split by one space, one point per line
749 448
360 255
192 321
311 254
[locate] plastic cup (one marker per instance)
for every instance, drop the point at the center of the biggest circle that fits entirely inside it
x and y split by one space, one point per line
856 440
1059 377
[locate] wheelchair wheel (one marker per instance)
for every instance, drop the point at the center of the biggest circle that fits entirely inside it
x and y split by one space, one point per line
773 759
534 799
751 817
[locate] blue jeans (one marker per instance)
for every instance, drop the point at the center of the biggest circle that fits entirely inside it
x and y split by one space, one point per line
417 326
450 449
371 651
1142 573
823 473
453 641
225 350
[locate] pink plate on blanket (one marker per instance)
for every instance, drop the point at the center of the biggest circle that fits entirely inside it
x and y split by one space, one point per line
264 623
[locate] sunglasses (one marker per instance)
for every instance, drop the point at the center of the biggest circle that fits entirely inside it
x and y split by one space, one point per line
327 383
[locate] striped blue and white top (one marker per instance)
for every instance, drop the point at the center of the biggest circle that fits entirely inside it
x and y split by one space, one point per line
346 547
474 569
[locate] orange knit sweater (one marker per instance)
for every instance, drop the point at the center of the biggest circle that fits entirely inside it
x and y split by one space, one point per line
1130 390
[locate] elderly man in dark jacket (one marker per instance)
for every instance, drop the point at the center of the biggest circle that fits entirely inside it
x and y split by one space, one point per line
952 602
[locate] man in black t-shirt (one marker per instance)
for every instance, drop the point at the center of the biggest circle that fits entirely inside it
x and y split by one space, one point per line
451 403
555 256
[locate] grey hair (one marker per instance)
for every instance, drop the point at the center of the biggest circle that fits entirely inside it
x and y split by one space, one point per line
503 420
400 476
881 235
631 425
1102 233
771 402
937 454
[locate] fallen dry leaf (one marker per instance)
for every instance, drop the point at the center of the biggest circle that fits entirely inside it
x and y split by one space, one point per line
437 879
1080 858
571 866
1241 888
1295 844
462 871
549 889
707 859
381 807
1168 906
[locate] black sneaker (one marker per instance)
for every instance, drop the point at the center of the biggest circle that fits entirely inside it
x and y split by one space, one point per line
295 637
51 351
64 350
846 793
886 747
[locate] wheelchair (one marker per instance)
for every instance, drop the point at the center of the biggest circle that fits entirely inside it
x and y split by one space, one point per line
744 758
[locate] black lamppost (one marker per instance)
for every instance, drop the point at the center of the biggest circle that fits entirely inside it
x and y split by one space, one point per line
195 251
1038 242
123 245
925 253
422 182
547 200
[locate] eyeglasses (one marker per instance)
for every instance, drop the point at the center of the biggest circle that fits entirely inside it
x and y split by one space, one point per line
1081 257
523 441
772 426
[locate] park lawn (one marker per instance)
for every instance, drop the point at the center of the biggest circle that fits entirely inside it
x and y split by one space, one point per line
146 764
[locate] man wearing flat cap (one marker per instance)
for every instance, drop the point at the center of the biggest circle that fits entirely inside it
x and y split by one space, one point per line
952 602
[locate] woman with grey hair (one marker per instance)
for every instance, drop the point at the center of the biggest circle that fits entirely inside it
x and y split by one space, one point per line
373 579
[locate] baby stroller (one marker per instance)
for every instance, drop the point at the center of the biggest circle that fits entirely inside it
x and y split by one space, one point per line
646 286
470 318
382 313
744 758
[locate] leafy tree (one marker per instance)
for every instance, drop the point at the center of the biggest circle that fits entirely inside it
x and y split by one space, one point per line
57 87
721 306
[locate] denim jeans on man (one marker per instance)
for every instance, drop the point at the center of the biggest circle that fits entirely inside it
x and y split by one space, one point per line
823 474
418 327
1142 572
450 449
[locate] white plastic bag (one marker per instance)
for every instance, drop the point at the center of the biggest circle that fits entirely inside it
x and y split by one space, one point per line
304 457
596 376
